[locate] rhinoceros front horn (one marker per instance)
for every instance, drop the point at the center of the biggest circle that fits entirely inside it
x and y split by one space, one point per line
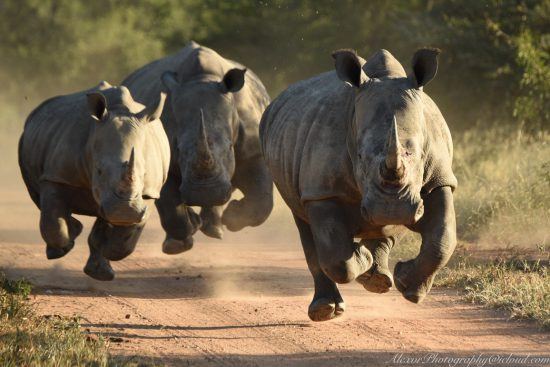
128 174
394 151
205 159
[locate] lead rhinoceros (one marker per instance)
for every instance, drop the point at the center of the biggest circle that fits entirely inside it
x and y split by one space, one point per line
96 153
214 106
362 152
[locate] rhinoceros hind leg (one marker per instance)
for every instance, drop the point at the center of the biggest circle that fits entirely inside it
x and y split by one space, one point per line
327 302
324 309
379 278
172 246
212 221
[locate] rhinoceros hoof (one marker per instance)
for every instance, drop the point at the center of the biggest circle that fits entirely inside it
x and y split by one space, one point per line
99 270
212 230
75 228
324 309
411 289
171 246
376 280
56 253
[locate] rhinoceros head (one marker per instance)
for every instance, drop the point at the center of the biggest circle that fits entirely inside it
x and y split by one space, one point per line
207 127
387 138
117 153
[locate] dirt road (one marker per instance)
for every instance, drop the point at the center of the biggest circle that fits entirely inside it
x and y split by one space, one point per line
242 302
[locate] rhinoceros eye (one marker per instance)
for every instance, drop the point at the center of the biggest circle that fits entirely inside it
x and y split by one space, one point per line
99 171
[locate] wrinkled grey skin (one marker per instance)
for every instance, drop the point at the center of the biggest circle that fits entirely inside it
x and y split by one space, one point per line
362 152
213 110
96 153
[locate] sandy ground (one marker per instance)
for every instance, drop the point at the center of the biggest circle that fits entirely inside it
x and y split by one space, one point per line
243 302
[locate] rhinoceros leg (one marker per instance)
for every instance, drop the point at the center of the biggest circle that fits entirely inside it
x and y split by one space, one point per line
110 243
327 302
211 217
178 220
437 227
254 181
379 278
341 259
57 227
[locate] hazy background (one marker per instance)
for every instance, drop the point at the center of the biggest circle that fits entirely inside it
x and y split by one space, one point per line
493 84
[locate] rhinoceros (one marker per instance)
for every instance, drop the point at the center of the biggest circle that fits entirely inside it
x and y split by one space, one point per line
362 152
214 106
97 153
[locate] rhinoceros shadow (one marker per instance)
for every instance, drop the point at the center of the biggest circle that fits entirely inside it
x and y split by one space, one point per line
162 283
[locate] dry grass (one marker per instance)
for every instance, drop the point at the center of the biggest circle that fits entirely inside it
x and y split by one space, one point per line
27 339
519 287
503 205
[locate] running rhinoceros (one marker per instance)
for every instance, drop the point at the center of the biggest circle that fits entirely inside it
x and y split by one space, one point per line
96 153
360 152
213 111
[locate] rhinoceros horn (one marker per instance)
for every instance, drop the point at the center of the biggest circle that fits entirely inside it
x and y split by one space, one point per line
128 174
204 156
394 160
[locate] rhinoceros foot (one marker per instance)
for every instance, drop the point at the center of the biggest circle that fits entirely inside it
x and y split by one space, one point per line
211 222
212 230
412 287
324 309
172 246
99 268
377 280
56 253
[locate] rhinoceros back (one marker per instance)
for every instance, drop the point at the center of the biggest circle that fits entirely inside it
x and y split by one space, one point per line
303 136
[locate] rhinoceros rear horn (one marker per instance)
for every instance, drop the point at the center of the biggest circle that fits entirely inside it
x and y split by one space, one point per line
424 64
348 67
154 111
97 105
233 80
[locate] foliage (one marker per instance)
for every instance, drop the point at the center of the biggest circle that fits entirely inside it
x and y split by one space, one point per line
504 187
520 287
494 65
27 339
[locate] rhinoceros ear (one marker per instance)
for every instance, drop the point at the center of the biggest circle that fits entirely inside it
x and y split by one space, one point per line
233 80
348 68
154 111
97 105
169 80
424 64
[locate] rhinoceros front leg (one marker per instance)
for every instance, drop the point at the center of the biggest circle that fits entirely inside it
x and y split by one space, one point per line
254 181
178 220
437 227
327 302
108 242
57 227
211 217
379 278
340 258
